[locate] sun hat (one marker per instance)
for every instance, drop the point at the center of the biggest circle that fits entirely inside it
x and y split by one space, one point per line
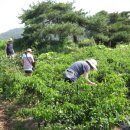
29 50
10 39
93 63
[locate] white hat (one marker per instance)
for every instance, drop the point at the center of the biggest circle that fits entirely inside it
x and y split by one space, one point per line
93 63
29 50
10 39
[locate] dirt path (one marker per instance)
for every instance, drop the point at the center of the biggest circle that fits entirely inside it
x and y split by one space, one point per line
3 117
8 122
4 121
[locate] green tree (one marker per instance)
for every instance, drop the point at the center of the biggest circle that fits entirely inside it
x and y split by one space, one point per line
97 27
49 21
119 28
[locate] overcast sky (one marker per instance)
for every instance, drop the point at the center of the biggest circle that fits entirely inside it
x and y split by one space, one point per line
11 9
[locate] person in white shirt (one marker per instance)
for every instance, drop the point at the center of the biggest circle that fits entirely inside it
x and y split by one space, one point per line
28 61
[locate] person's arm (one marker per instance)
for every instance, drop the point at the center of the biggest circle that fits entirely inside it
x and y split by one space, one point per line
33 59
12 48
86 77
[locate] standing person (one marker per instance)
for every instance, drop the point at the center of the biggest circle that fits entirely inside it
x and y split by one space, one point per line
80 68
28 61
9 49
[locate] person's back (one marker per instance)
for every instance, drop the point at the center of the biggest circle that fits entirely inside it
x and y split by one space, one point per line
27 62
9 48
76 69
80 68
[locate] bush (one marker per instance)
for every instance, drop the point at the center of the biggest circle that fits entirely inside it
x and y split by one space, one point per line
60 105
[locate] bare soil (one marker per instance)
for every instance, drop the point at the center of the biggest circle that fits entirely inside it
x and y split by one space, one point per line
3 117
9 122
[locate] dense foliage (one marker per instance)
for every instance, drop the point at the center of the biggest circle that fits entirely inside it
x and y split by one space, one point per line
49 21
55 104
45 98
109 28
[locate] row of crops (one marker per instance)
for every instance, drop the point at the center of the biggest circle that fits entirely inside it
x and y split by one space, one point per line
56 105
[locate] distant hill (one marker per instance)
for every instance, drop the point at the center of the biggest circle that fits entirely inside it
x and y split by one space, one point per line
13 33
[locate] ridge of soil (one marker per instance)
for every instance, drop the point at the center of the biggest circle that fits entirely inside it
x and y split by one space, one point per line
3 116
9 122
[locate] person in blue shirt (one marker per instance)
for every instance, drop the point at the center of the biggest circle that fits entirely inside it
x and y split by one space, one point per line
79 68
9 49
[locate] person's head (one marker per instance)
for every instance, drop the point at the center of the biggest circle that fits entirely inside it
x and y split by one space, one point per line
92 63
10 40
29 50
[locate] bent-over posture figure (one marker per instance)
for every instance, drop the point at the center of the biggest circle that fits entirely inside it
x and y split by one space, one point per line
80 68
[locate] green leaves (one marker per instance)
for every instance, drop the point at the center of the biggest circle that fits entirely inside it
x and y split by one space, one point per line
47 98
50 21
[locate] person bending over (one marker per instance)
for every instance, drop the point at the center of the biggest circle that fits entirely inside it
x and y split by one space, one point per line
79 68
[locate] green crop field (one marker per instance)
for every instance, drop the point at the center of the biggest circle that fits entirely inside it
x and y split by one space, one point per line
56 105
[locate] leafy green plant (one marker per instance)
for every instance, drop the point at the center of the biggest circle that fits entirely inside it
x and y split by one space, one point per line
55 104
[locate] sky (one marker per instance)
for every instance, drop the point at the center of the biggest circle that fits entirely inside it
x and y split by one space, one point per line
11 9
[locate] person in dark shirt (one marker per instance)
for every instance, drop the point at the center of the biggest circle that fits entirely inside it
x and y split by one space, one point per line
80 68
9 49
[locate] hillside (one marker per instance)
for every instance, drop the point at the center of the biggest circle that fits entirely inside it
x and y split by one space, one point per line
14 33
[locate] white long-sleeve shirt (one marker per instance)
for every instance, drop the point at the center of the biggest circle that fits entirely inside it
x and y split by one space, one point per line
27 61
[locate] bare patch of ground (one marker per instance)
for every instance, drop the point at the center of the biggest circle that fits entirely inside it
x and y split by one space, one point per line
3 117
9 122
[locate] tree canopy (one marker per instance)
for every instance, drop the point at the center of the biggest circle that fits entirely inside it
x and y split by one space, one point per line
109 28
49 21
